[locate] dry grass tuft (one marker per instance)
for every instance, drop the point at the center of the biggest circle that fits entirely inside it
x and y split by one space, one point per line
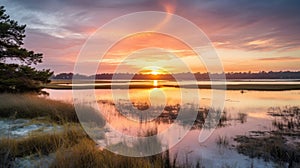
32 106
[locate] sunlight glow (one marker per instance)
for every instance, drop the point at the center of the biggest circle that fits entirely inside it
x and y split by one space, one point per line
155 83
154 72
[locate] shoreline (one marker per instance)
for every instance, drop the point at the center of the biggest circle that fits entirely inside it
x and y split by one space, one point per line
257 87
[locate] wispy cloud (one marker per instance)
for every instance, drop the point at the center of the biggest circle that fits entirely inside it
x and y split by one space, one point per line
286 58
235 24
59 28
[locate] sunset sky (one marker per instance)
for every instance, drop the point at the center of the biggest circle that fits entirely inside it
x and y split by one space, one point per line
248 35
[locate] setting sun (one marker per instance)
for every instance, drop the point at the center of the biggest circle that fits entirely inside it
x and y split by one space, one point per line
154 72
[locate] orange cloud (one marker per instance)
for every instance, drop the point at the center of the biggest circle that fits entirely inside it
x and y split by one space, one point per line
286 58
169 45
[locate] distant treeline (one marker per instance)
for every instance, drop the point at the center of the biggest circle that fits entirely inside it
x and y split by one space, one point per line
186 76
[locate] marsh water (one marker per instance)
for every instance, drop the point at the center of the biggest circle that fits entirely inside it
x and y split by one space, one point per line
244 113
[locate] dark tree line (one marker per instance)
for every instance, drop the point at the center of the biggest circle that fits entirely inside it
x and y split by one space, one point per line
186 76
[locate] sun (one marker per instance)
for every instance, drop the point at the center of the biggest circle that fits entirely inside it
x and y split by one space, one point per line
154 72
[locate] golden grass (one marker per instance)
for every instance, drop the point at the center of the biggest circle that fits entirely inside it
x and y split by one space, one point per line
32 106
85 154
42 143
73 148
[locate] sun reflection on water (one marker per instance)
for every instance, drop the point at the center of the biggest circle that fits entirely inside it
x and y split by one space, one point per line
155 83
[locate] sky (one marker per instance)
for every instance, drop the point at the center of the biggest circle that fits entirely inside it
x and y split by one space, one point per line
256 35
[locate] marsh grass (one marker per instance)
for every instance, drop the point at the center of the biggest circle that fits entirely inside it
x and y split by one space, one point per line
269 148
40 143
279 143
31 106
84 154
192 115
222 141
286 119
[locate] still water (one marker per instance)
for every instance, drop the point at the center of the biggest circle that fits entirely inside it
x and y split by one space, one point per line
245 112
183 83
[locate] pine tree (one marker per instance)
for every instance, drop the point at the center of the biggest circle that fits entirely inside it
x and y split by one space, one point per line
16 71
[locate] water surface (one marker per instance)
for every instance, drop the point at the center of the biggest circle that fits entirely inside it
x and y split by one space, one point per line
253 106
